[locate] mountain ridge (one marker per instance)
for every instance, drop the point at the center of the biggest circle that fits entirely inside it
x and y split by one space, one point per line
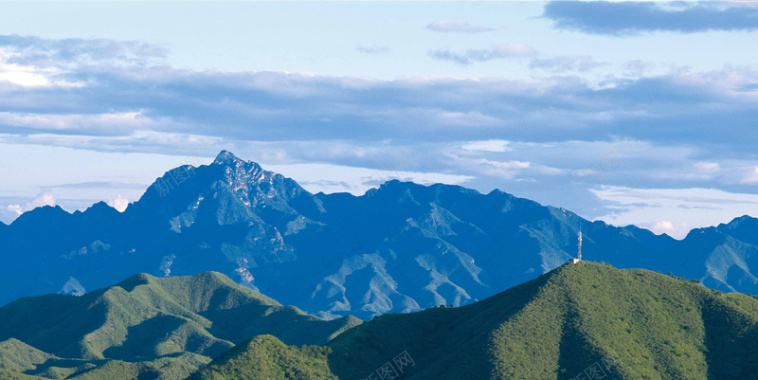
397 248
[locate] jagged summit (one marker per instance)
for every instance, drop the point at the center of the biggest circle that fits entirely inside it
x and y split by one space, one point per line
187 183
99 209
99 206
226 157
239 166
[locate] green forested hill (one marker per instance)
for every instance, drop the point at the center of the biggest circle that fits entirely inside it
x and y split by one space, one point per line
7 374
582 321
146 326
266 357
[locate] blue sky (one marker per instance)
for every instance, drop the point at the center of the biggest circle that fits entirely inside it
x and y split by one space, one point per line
627 112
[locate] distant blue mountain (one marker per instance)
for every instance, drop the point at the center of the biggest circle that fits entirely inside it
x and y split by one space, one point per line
397 248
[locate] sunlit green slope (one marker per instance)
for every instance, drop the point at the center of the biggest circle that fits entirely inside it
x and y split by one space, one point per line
581 319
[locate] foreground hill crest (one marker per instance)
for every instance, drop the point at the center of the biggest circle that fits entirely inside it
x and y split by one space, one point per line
147 326
578 321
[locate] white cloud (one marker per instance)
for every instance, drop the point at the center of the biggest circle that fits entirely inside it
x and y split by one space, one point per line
505 170
29 75
559 64
671 229
44 198
751 177
487 146
25 79
566 63
466 119
374 49
139 141
637 68
503 51
35 62
509 170
680 209
707 167
513 51
703 171
69 53
60 122
585 173
664 225
356 180
119 203
456 27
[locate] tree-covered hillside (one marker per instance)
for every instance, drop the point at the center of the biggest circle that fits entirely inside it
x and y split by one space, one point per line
147 326
576 322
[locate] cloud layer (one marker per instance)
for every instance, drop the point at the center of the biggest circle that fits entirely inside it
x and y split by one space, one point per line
484 55
545 138
630 18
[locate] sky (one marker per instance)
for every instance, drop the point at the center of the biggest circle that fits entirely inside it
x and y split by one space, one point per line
626 112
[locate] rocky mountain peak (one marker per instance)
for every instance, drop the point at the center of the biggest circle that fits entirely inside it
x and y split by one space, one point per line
226 157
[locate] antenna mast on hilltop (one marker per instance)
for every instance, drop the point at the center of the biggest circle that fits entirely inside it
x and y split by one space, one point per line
579 247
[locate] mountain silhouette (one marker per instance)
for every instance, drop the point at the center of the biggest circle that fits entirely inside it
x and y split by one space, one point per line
397 248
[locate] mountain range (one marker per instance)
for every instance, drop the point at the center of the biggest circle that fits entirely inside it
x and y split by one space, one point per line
401 247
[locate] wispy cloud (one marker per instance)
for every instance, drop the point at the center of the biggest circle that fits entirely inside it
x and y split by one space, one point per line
37 51
483 55
559 64
487 146
372 49
96 124
29 61
566 63
631 18
456 27
674 211
751 177
101 185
